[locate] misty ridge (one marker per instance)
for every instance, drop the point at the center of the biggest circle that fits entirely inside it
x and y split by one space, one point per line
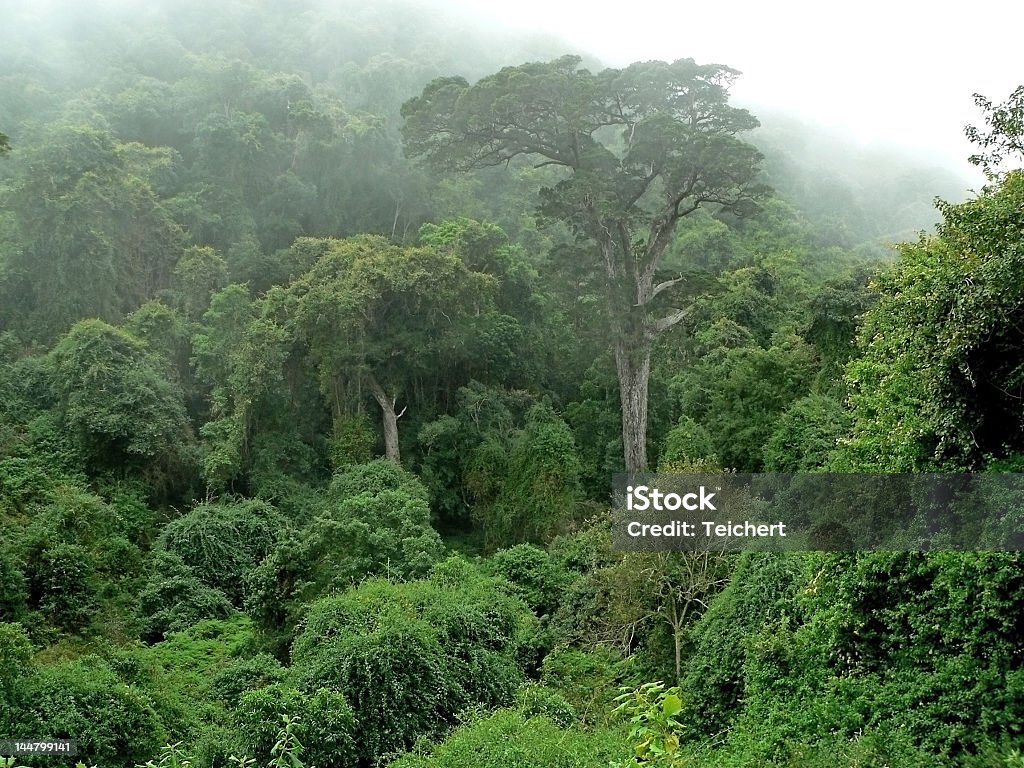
157 74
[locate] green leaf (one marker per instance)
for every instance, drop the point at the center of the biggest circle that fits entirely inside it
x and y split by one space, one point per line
671 704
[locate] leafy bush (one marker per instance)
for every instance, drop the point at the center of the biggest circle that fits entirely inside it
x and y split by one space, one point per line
533 574
78 554
687 441
177 675
510 739
243 675
324 724
373 522
373 478
535 700
652 711
376 522
806 435
409 657
113 724
15 658
891 657
929 651
586 549
221 542
174 598
384 533
398 678
113 398
612 606
936 383
586 679
541 488
762 587
13 590
63 585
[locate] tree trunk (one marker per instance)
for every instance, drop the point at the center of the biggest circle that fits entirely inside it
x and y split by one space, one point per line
387 407
633 364
677 640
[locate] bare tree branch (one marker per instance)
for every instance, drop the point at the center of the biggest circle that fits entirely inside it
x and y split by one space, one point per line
663 324
664 286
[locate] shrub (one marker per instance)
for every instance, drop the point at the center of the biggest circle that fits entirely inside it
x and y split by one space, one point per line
535 700
243 675
113 397
174 598
687 441
510 739
806 435
409 657
221 542
324 724
373 478
387 534
586 679
113 724
655 732
62 585
373 522
15 658
13 590
541 488
762 587
533 574
398 678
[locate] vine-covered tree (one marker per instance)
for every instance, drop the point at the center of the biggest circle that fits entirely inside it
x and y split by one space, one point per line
641 147
938 381
377 315
112 400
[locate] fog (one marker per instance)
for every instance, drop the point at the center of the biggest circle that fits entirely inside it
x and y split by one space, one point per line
882 77
893 73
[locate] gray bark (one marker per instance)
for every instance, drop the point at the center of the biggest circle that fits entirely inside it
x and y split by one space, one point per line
633 364
387 407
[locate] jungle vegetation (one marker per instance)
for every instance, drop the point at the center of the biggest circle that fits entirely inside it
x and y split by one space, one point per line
322 332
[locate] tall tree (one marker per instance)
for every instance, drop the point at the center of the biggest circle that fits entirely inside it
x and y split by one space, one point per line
377 317
641 148
112 399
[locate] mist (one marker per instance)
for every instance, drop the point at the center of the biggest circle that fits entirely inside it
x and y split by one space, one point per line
895 74
878 81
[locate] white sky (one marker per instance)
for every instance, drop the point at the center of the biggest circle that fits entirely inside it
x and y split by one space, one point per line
899 72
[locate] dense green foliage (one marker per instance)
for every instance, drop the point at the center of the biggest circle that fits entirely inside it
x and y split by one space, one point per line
410 657
222 543
306 446
936 385
509 739
112 722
